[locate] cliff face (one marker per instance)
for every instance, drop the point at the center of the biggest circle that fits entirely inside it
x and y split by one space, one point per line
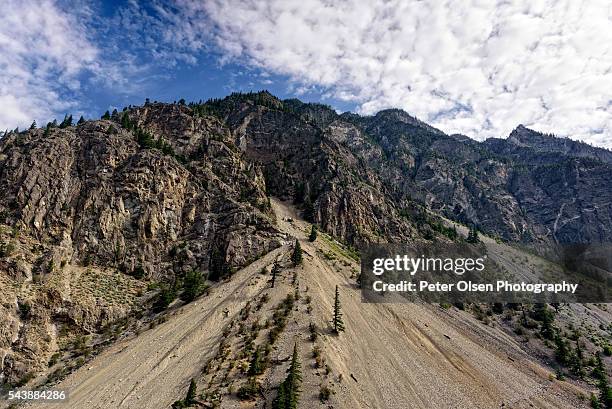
530 187
88 212
86 207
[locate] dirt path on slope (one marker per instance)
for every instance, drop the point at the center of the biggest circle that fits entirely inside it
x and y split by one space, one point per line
154 369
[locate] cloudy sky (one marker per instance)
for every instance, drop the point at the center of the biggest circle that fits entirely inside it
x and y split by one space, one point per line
478 68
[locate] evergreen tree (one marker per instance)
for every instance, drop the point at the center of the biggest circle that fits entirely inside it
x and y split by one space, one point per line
190 399
125 121
561 350
106 115
289 391
81 120
605 392
473 235
47 131
33 126
313 233
296 257
576 360
337 322
256 366
192 286
275 271
543 314
66 122
165 297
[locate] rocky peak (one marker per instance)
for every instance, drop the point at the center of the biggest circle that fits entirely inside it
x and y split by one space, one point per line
524 137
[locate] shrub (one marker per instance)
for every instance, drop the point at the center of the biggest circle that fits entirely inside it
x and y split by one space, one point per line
324 393
249 390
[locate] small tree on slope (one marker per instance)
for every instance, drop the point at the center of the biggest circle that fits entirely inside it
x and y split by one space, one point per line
337 322
289 391
296 257
313 233
275 271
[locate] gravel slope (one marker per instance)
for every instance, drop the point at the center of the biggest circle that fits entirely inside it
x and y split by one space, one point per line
391 355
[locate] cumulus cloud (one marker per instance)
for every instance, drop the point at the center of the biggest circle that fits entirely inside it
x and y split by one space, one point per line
477 68
43 51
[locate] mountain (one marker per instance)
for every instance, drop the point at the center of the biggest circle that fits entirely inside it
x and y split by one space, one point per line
103 225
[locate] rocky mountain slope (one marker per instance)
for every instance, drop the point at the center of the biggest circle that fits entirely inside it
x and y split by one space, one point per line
104 223
390 354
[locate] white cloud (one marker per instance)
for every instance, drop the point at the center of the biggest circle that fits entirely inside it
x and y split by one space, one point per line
43 50
546 64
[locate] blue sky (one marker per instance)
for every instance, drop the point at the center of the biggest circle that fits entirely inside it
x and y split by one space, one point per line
471 67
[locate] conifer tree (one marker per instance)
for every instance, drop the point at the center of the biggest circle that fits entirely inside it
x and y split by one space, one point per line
275 271
337 322
192 286
81 120
313 233
190 399
605 392
256 366
66 122
473 235
125 121
106 115
33 126
296 257
289 391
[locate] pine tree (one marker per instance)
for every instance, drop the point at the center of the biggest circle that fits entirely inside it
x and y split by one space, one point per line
66 122
605 392
337 320
473 235
561 350
106 115
190 399
81 120
313 233
33 126
275 271
296 257
289 391
542 313
192 286
125 121
256 366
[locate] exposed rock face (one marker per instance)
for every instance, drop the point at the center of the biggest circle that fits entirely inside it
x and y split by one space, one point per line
164 189
83 199
93 190
530 187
